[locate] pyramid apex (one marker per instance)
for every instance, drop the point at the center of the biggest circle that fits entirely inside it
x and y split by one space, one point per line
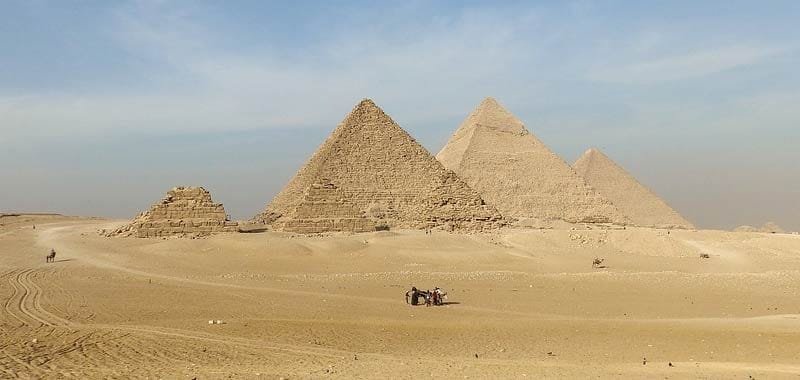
366 102
489 100
366 111
592 152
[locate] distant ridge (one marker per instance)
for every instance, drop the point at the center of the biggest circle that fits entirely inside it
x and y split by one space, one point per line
514 171
642 206
370 168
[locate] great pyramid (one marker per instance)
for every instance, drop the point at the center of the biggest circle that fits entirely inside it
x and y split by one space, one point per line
370 169
184 211
642 206
515 172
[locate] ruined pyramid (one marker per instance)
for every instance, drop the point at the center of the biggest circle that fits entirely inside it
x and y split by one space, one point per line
642 206
184 211
515 172
370 174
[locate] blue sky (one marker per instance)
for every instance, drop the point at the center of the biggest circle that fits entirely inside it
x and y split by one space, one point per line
105 105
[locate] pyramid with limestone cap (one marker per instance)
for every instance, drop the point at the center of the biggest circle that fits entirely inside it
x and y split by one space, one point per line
515 172
641 205
371 167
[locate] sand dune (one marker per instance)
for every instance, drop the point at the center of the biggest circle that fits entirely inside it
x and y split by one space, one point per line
526 302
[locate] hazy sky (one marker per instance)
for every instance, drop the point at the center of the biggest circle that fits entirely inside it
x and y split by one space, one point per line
106 105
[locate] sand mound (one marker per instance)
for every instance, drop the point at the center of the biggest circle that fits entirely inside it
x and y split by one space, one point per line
768 227
642 206
184 211
515 172
371 168
772 227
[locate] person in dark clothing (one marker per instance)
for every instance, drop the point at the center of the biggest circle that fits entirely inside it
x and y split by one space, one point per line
414 294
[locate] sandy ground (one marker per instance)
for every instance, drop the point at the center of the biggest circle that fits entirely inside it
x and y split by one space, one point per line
524 304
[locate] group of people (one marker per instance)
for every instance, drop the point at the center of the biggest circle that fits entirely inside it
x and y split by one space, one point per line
433 297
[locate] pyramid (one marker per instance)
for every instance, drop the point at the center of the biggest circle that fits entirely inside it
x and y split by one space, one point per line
184 211
642 206
768 227
325 208
371 168
772 228
515 172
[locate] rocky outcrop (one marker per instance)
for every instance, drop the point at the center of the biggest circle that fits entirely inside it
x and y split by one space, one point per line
512 170
371 169
184 211
641 205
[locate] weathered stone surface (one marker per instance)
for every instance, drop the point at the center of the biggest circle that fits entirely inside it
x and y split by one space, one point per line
512 170
184 211
379 173
642 206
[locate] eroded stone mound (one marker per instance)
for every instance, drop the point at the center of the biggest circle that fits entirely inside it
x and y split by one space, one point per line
184 211
496 155
642 206
371 169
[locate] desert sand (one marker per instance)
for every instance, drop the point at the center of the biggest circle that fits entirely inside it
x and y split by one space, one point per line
524 303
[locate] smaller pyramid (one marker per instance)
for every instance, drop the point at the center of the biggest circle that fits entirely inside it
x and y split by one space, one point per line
768 227
184 211
326 208
772 228
642 206
496 155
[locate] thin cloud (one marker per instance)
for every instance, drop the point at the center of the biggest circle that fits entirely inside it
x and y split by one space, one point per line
211 88
686 66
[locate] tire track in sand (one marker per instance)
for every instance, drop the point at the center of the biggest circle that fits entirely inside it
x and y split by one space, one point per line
9 305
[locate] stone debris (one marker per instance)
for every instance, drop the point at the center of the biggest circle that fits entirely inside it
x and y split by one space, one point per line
515 172
370 174
641 205
184 211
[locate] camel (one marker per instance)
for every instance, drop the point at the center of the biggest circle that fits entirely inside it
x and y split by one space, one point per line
50 258
596 262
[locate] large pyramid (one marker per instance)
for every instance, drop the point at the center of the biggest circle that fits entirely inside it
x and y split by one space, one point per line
371 169
184 211
637 202
515 172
